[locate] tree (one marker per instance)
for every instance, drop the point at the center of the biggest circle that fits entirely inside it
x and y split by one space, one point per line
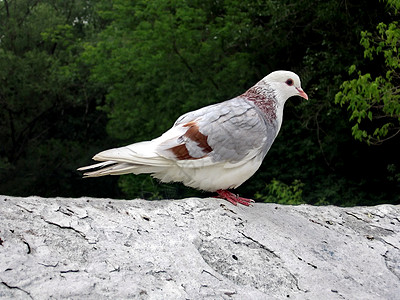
374 101
47 106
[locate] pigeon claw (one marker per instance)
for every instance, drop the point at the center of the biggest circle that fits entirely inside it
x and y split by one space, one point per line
234 199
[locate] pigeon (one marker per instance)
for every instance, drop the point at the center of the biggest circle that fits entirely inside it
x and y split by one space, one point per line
214 148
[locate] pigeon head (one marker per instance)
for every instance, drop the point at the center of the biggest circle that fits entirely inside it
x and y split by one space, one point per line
286 84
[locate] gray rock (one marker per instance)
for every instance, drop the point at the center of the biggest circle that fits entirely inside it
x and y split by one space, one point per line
196 249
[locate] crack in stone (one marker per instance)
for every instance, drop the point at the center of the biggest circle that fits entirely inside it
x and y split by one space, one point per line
27 245
277 256
66 211
354 215
69 212
227 270
260 245
390 268
386 242
323 225
49 266
310 264
16 288
296 280
66 227
70 271
227 209
374 214
118 269
205 271
230 294
379 227
24 208
339 294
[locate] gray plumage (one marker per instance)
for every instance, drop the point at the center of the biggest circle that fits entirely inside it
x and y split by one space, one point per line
233 128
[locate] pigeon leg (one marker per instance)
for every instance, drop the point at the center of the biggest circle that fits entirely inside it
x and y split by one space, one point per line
232 198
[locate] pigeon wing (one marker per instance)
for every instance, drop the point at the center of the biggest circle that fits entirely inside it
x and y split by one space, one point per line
228 132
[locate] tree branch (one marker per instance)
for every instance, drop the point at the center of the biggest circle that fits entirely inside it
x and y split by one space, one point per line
7 9
181 57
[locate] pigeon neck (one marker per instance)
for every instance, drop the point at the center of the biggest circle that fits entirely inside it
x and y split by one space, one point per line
264 98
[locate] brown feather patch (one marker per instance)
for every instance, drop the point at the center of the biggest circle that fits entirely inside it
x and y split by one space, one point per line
195 135
181 152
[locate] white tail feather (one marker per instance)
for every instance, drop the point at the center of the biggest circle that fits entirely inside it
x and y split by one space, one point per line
116 169
99 165
140 153
136 158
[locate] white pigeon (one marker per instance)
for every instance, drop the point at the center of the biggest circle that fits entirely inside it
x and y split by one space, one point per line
214 148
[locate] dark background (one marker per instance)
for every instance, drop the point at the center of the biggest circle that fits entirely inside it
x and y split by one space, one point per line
78 77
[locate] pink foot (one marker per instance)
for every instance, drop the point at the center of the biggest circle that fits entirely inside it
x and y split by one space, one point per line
232 198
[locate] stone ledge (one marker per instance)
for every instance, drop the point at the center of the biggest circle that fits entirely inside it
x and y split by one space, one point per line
194 248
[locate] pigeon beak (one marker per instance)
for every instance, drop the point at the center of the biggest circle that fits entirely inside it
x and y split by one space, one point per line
302 93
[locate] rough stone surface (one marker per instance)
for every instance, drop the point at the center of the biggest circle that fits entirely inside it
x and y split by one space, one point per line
196 249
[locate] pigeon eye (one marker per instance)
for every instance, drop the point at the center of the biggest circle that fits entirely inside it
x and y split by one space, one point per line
289 82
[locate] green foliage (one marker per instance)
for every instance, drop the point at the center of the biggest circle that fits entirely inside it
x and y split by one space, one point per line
46 104
394 3
375 103
83 76
373 98
164 58
394 173
279 192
